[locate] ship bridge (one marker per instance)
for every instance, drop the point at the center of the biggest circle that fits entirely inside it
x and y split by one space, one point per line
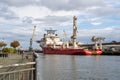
51 31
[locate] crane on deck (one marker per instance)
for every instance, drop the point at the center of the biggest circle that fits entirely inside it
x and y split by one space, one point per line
65 36
32 38
67 43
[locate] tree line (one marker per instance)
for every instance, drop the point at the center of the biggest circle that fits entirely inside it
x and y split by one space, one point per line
12 49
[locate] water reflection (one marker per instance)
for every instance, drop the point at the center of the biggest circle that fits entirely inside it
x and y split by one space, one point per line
66 67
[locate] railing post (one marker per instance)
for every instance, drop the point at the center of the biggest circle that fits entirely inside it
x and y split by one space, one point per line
35 77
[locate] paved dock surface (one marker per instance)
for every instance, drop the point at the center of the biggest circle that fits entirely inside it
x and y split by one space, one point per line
14 59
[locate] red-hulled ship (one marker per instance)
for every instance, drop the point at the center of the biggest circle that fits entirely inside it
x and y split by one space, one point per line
52 44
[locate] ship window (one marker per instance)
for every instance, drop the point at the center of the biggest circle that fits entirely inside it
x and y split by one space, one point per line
43 39
44 35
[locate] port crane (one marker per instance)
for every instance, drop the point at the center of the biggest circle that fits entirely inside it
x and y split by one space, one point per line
32 38
96 40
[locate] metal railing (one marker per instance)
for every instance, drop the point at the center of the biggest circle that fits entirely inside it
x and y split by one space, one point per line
21 71
18 72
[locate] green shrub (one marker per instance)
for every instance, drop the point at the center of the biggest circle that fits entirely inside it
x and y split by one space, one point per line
9 50
5 50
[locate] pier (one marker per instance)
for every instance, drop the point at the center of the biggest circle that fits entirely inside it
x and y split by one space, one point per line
112 48
19 67
52 67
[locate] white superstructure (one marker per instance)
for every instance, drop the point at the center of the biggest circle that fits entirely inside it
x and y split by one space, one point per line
50 39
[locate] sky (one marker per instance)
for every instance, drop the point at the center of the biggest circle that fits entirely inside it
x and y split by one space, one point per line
100 18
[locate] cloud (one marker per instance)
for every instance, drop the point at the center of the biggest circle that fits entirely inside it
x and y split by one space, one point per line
41 12
53 20
96 23
43 16
110 34
70 4
95 17
27 20
18 3
55 4
31 11
6 13
103 11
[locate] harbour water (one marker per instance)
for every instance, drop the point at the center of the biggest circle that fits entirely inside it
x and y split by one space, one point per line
67 67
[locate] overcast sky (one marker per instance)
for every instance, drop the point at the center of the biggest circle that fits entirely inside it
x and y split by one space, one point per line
100 18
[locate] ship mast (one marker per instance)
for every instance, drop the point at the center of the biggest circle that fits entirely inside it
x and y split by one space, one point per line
74 32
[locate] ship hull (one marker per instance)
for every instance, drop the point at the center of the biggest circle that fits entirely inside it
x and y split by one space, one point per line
69 51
